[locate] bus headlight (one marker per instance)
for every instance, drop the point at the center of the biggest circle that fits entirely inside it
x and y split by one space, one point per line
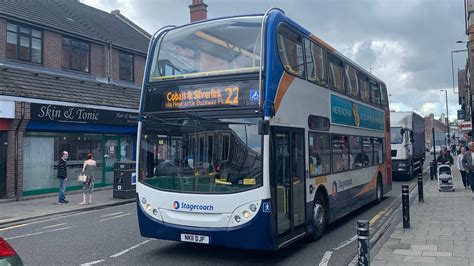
244 213
253 207
237 218
155 212
148 207
144 200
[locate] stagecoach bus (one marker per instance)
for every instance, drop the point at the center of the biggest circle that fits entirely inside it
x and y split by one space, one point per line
254 133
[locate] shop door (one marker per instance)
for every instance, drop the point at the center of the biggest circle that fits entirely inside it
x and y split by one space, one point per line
288 181
3 164
111 156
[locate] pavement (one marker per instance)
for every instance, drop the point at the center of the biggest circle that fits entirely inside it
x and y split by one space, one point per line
441 231
12 211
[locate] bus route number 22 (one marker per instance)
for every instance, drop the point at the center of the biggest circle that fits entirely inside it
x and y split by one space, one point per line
232 95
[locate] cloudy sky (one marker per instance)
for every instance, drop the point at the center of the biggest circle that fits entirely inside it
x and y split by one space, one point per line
406 43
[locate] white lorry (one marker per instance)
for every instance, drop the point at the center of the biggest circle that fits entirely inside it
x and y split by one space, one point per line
407 130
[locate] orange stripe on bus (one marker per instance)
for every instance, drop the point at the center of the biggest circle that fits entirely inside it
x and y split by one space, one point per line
373 182
323 43
285 83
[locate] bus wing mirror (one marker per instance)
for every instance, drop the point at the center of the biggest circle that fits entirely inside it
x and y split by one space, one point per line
263 127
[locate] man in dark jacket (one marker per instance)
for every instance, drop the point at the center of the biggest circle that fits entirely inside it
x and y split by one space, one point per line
62 176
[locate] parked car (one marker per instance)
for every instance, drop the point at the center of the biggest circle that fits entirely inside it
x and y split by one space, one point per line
8 255
436 148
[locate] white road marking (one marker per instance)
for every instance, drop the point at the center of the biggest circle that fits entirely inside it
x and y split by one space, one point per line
46 220
60 229
54 225
111 214
92 262
326 258
21 236
129 249
115 217
345 243
39 233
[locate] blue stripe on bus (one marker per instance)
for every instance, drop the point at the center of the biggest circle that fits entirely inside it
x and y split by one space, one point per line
243 236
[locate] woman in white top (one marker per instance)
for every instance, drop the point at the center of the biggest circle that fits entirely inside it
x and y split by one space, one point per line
465 180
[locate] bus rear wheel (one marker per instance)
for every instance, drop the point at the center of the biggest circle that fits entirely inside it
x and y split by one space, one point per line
320 214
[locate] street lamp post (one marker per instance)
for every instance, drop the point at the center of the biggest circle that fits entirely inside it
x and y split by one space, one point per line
447 116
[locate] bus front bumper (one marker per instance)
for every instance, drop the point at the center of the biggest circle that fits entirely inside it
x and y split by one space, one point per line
256 234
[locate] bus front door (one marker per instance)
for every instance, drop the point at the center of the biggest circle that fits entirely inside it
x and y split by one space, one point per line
288 189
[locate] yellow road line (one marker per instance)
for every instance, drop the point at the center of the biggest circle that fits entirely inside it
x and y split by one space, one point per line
376 217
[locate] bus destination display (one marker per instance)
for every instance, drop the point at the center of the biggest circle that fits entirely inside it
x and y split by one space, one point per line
241 94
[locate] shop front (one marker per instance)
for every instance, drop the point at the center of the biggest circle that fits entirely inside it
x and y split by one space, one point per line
108 134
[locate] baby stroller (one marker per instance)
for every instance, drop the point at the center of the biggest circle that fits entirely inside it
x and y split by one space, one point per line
445 178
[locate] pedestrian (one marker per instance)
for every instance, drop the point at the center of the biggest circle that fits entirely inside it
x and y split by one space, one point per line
88 169
468 164
465 181
444 157
62 176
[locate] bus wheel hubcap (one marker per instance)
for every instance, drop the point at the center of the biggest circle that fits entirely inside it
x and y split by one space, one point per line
318 215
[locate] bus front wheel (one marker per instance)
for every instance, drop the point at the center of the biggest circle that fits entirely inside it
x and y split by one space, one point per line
320 214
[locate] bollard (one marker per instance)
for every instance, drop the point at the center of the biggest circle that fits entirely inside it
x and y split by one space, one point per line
420 189
406 206
431 171
363 242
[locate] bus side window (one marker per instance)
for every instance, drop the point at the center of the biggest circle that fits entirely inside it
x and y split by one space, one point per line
369 150
351 81
319 154
364 89
383 95
315 64
375 91
290 48
336 75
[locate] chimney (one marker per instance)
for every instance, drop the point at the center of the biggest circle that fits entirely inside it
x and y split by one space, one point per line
198 10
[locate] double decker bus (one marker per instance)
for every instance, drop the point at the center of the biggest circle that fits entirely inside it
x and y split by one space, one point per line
255 133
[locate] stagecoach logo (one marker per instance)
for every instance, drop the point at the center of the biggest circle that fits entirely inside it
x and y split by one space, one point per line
176 205
191 207
334 190
355 112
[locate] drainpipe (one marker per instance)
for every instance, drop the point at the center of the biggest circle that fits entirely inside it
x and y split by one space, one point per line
16 149
109 63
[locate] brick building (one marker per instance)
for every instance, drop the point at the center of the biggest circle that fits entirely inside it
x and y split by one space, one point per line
70 78
440 129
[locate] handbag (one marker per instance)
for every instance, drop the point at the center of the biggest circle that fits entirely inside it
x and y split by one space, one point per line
81 178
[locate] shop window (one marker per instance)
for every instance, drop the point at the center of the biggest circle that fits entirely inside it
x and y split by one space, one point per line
43 150
351 81
341 159
75 55
319 154
125 66
290 48
24 43
336 75
315 65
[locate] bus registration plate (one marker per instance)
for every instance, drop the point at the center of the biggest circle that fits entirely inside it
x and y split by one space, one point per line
195 238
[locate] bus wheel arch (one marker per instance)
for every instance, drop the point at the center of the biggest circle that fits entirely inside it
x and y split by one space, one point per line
320 213
379 188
